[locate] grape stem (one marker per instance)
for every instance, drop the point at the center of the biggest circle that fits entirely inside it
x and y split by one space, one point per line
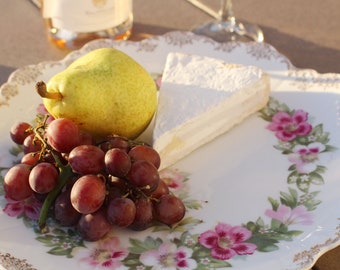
135 191
65 172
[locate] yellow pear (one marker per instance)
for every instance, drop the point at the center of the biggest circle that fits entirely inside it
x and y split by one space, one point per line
105 92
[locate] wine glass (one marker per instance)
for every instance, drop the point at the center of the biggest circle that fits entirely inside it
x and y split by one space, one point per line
225 27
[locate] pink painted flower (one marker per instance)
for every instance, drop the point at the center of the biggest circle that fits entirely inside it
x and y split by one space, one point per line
226 241
169 257
287 127
172 178
107 254
29 207
306 157
289 216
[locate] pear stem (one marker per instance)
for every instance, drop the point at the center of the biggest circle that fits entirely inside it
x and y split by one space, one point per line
40 87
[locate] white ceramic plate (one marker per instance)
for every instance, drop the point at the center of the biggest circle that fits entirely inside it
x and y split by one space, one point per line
274 195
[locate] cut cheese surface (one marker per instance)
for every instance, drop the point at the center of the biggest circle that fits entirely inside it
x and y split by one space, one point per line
201 98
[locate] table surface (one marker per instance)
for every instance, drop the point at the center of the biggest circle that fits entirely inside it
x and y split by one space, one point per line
306 31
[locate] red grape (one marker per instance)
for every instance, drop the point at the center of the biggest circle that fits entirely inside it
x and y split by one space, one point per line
116 187
169 209
93 227
63 135
20 131
115 142
144 175
121 212
41 109
144 152
32 144
64 212
70 182
30 159
85 138
88 194
40 197
86 159
117 162
43 177
161 190
16 184
113 182
144 215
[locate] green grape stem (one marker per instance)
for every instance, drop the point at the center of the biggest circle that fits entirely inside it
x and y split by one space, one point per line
65 173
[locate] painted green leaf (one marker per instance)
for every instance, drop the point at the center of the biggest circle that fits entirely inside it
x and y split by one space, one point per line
266 117
269 248
29 223
15 150
275 204
282 148
252 226
192 204
46 239
294 233
289 199
318 129
286 151
330 148
323 138
2 192
183 227
312 204
303 185
302 140
132 261
215 264
263 242
201 252
293 168
186 224
149 243
260 222
320 169
293 176
60 251
275 225
316 179
59 231
266 113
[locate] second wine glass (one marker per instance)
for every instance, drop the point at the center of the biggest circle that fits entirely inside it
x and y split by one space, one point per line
227 28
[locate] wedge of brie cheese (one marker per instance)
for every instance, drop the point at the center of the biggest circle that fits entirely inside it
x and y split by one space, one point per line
201 98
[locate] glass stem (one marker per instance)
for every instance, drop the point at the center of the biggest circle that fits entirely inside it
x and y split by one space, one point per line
226 11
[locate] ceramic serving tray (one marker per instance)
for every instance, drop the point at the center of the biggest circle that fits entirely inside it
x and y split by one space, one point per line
265 195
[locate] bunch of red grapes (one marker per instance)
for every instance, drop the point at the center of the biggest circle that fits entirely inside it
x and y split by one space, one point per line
89 184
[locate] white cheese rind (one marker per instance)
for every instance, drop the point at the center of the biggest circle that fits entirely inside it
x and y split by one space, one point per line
201 98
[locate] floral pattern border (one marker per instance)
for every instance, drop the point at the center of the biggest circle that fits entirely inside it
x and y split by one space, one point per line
12 263
303 144
307 257
30 74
